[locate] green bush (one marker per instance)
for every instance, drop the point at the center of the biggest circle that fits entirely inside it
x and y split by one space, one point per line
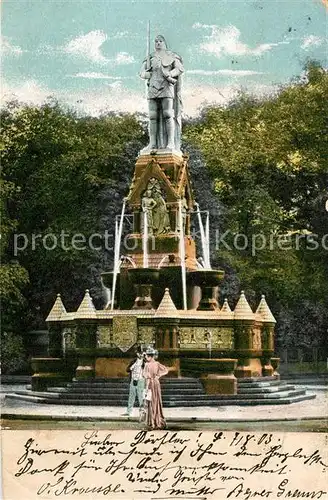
13 354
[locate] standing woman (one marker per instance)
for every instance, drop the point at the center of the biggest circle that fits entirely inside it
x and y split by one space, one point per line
152 372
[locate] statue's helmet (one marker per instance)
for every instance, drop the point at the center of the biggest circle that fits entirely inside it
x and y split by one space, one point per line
160 37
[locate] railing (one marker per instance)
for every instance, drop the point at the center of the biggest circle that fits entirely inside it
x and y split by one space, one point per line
304 360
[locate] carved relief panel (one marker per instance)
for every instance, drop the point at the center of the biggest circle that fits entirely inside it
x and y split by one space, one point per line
69 335
222 338
256 339
105 336
125 332
198 338
146 335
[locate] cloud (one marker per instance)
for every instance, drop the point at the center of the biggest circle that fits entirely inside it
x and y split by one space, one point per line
116 97
7 48
119 34
311 41
124 58
226 41
88 46
96 76
196 97
94 102
227 72
30 92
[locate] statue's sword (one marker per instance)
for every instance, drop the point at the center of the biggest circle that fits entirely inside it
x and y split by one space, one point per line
148 46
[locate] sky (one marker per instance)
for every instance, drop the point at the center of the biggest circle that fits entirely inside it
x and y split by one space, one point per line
87 54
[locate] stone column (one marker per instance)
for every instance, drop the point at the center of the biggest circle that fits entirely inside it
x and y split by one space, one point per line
86 349
267 349
167 343
243 347
55 348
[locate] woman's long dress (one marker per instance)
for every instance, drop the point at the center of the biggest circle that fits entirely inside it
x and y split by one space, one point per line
152 373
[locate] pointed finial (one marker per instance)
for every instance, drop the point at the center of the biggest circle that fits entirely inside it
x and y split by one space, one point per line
58 310
166 307
86 309
264 311
226 308
243 309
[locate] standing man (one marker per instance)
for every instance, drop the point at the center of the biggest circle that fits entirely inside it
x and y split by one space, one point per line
163 69
137 384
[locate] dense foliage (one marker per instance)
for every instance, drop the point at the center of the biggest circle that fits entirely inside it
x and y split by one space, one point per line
269 164
260 166
63 177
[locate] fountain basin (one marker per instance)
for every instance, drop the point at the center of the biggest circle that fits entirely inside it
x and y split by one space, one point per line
206 277
205 366
107 279
143 275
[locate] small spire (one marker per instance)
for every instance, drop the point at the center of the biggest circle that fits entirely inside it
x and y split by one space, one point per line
225 310
58 310
243 309
226 307
264 311
86 310
167 306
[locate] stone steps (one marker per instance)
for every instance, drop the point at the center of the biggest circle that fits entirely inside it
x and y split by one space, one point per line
264 390
187 403
176 395
185 392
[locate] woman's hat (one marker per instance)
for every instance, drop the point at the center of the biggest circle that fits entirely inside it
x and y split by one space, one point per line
150 351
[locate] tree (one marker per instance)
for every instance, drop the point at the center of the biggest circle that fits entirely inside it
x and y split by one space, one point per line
268 163
70 176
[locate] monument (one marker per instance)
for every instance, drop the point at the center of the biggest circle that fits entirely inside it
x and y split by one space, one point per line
163 69
161 293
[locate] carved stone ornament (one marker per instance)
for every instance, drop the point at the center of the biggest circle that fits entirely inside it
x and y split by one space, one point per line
69 335
104 335
223 338
256 334
154 207
125 332
146 335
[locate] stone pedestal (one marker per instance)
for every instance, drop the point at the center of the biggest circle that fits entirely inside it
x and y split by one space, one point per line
275 364
170 359
248 366
165 177
216 375
243 369
86 367
219 384
267 368
48 372
143 279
